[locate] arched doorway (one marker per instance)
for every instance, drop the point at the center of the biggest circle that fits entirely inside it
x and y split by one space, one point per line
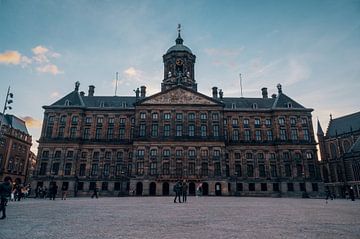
205 189
218 189
192 189
325 175
152 191
139 189
165 189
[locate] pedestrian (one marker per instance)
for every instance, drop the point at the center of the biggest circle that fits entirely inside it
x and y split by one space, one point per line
37 190
53 191
64 189
184 190
177 190
5 191
95 193
199 190
352 194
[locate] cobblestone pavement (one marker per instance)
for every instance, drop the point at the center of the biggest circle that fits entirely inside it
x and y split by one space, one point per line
203 217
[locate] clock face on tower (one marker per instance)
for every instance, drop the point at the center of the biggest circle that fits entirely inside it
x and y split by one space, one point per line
179 62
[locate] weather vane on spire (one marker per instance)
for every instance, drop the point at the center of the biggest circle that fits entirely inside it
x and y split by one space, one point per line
179 28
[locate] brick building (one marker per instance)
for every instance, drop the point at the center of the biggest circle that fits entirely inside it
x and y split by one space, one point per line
15 143
340 154
144 144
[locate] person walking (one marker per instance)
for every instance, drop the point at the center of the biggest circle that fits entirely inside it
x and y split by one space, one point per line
53 191
5 192
64 189
184 191
352 194
177 190
95 193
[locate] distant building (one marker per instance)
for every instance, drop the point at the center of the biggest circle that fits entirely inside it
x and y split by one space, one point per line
143 144
340 154
15 143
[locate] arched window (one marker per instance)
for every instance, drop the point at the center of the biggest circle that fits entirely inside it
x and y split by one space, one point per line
67 102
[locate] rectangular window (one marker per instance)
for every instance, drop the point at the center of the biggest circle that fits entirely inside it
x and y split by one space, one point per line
61 132
216 130
118 170
191 116
166 167
294 134
110 133
191 168
82 169
167 116
55 168
215 116
239 187
258 135
203 131
282 134
74 120
122 121
63 119
155 116
235 122
153 168
262 173
299 170
269 135
257 123
251 186
287 170
68 169
312 171
142 115
235 135
192 153
282 121
293 121
121 133
167 130
306 135
106 170
246 123
104 186
302 187
117 186
204 169
204 153
203 116
57 154
191 130
70 154
96 155
111 120
94 169
304 121
154 130
142 130
238 172
290 187
98 133
92 186
178 153
276 187
99 120
166 153
153 152
217 169
140 168
247 135
80 186
268 122
140 153
216 154
264 187
178 168
179 116
108 155
178 130
49 131
88 120
86 133
250 170
315 187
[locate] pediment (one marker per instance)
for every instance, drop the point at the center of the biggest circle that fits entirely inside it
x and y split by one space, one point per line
179 96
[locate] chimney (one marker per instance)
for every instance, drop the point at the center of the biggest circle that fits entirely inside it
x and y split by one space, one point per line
273 96
142 91
221 93
279 87
137 93
264 92
91 90
82 93
215 92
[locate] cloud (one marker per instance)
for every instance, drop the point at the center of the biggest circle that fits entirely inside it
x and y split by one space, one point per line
10 57
31 122
49 68
54 94
39 50
132 72
298 71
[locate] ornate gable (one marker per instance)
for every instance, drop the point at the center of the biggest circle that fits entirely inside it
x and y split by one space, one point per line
180 96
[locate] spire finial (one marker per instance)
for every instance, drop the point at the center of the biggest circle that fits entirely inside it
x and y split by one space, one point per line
179 40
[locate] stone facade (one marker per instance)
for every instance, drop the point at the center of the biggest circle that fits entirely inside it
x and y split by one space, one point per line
15 143
340 154
142 145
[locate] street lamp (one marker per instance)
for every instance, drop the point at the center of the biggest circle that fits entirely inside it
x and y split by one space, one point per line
8 101
236 186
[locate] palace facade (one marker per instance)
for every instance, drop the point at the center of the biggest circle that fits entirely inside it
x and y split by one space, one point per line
143 144
340 154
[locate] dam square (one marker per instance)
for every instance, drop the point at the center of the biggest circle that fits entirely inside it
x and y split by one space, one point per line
168 159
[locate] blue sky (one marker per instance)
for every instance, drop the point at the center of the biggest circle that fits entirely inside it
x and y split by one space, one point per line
310 47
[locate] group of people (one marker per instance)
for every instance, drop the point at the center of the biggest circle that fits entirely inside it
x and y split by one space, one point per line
44 192
180 189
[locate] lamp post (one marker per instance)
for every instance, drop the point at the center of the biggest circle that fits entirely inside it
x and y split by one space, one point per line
236 186
8 101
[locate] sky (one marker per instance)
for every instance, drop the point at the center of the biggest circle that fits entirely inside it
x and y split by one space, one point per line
312 48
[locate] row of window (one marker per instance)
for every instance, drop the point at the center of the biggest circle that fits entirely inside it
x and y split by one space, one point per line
88 120
259 135
180 116
275 187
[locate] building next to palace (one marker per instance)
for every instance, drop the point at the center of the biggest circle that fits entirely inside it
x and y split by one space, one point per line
15 144
143 144
340 154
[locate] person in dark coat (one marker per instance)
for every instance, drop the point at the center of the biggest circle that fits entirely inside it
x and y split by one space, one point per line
352 194
53 191
95 193
5 192
177 190
184 191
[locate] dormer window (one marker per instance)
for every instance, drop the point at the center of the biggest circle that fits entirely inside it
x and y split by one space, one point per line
67 102
289 105
124 104
254 106
233 106
102 104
